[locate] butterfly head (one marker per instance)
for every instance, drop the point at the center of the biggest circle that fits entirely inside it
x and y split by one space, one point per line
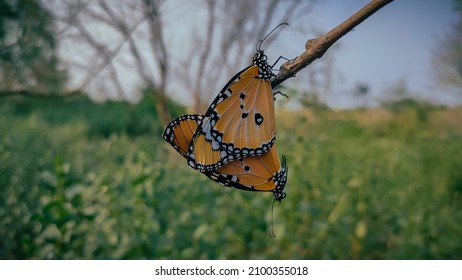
261 60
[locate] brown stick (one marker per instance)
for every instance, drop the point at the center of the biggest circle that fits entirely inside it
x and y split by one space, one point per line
315 48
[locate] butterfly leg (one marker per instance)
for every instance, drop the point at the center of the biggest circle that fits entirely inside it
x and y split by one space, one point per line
280 93
281 57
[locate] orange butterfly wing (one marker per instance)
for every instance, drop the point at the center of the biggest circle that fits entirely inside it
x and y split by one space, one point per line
240 121
258 173
180 131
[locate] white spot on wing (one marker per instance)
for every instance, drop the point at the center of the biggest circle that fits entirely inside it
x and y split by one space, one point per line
215 145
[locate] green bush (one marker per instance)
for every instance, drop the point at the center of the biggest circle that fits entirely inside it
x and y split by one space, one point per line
87 181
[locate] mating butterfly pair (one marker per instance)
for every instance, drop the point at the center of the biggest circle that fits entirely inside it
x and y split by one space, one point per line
233 143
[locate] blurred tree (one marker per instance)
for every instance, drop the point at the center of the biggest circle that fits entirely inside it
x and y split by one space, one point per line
28 61
158 43
104 29
448 58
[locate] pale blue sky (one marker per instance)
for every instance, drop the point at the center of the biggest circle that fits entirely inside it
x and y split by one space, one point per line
395 43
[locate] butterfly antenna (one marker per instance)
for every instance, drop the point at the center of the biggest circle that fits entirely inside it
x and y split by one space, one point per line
264 38
270 222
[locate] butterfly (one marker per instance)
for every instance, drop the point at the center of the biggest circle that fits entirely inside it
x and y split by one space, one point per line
240 121
258 173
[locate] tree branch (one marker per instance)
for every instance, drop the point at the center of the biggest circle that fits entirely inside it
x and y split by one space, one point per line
315 48
205 51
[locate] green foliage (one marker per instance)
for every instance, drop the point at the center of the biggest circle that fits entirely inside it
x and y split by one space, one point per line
421 108
99 119
28 48
80 182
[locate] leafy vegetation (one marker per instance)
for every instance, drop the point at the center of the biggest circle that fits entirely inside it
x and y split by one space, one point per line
87 181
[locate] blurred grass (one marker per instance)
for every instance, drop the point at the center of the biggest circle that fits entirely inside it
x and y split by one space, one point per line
85 181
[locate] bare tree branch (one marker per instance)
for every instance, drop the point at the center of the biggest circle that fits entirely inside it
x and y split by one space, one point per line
77 16
157 40
315 48
101 51
118 31
159 50
122 27
206 50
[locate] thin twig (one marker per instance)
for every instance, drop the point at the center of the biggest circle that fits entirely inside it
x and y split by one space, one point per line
315 48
